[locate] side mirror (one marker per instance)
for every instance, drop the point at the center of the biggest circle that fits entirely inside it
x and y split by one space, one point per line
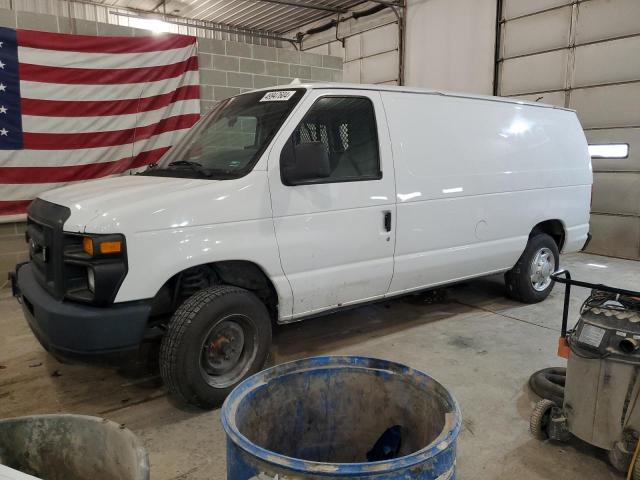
304 162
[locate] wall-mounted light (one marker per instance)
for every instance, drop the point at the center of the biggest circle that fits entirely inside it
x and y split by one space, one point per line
609 150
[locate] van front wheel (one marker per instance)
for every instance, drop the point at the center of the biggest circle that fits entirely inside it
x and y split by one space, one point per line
216 338
529 281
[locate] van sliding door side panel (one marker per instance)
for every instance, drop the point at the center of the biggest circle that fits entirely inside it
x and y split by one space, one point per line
474 177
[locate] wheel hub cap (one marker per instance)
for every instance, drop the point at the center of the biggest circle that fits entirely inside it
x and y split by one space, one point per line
542 267
223 348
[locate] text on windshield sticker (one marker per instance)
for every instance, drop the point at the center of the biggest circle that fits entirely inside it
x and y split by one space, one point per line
278 96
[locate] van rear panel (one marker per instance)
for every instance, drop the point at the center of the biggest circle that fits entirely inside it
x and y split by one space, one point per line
473 178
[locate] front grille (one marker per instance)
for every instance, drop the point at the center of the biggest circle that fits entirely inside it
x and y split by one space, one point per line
45 221
40 240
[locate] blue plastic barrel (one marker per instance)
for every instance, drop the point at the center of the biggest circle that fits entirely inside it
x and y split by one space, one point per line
322 418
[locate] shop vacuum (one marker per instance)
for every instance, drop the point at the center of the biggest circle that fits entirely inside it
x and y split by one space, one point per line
597 398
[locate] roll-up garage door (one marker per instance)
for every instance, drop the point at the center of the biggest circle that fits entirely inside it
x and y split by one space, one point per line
585 55
370 44
372 56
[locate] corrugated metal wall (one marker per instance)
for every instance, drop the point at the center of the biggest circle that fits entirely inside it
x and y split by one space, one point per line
585 55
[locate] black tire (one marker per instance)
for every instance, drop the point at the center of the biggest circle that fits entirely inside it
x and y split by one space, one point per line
186 362
518 280
540 418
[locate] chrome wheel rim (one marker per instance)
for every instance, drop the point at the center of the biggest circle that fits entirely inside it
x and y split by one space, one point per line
228 350
542 266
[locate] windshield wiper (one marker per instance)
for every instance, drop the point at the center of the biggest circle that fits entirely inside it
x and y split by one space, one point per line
200 168
184 163
195 167
220 171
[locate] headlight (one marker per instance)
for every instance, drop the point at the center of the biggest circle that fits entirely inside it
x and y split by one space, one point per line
91 280
94 267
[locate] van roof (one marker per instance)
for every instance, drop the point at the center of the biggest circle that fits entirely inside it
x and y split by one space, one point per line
393 88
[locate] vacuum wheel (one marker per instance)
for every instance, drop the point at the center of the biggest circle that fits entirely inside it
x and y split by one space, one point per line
540 419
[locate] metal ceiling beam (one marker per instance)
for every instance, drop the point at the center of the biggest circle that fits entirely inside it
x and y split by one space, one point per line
293 3
161 3
202 24
388 3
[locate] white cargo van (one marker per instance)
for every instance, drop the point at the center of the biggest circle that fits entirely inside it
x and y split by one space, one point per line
286 203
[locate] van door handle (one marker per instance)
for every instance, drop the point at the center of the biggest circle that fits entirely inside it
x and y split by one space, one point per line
387 221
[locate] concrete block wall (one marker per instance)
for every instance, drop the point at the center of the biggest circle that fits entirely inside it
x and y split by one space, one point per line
226 69
229 68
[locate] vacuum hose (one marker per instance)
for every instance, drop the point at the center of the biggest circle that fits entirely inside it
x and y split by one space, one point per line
548 383
629 345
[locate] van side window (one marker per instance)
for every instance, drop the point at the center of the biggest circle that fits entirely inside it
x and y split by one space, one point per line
346 128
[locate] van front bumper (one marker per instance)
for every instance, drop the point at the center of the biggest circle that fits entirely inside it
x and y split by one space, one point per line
74 331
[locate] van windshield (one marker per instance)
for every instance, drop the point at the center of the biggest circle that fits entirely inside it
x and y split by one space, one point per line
228 141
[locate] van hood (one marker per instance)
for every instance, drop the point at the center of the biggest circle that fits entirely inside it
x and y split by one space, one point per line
144 203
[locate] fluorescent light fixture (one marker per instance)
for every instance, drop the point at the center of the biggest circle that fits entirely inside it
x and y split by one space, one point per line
153 24
609 150
453 190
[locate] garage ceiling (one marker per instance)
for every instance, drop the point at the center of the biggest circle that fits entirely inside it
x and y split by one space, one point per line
274 16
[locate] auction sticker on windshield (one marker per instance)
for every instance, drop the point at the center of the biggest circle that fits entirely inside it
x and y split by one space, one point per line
278 96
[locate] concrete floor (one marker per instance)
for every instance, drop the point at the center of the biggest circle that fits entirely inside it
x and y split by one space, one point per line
477 343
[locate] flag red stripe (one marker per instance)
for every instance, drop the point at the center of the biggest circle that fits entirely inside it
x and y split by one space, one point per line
106 99
93 44
70 141
20 175
61 108
11 207
105 76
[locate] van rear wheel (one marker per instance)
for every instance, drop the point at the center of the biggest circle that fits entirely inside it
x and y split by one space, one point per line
529 281
216 338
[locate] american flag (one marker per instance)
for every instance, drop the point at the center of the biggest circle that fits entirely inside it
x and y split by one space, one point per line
76 107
